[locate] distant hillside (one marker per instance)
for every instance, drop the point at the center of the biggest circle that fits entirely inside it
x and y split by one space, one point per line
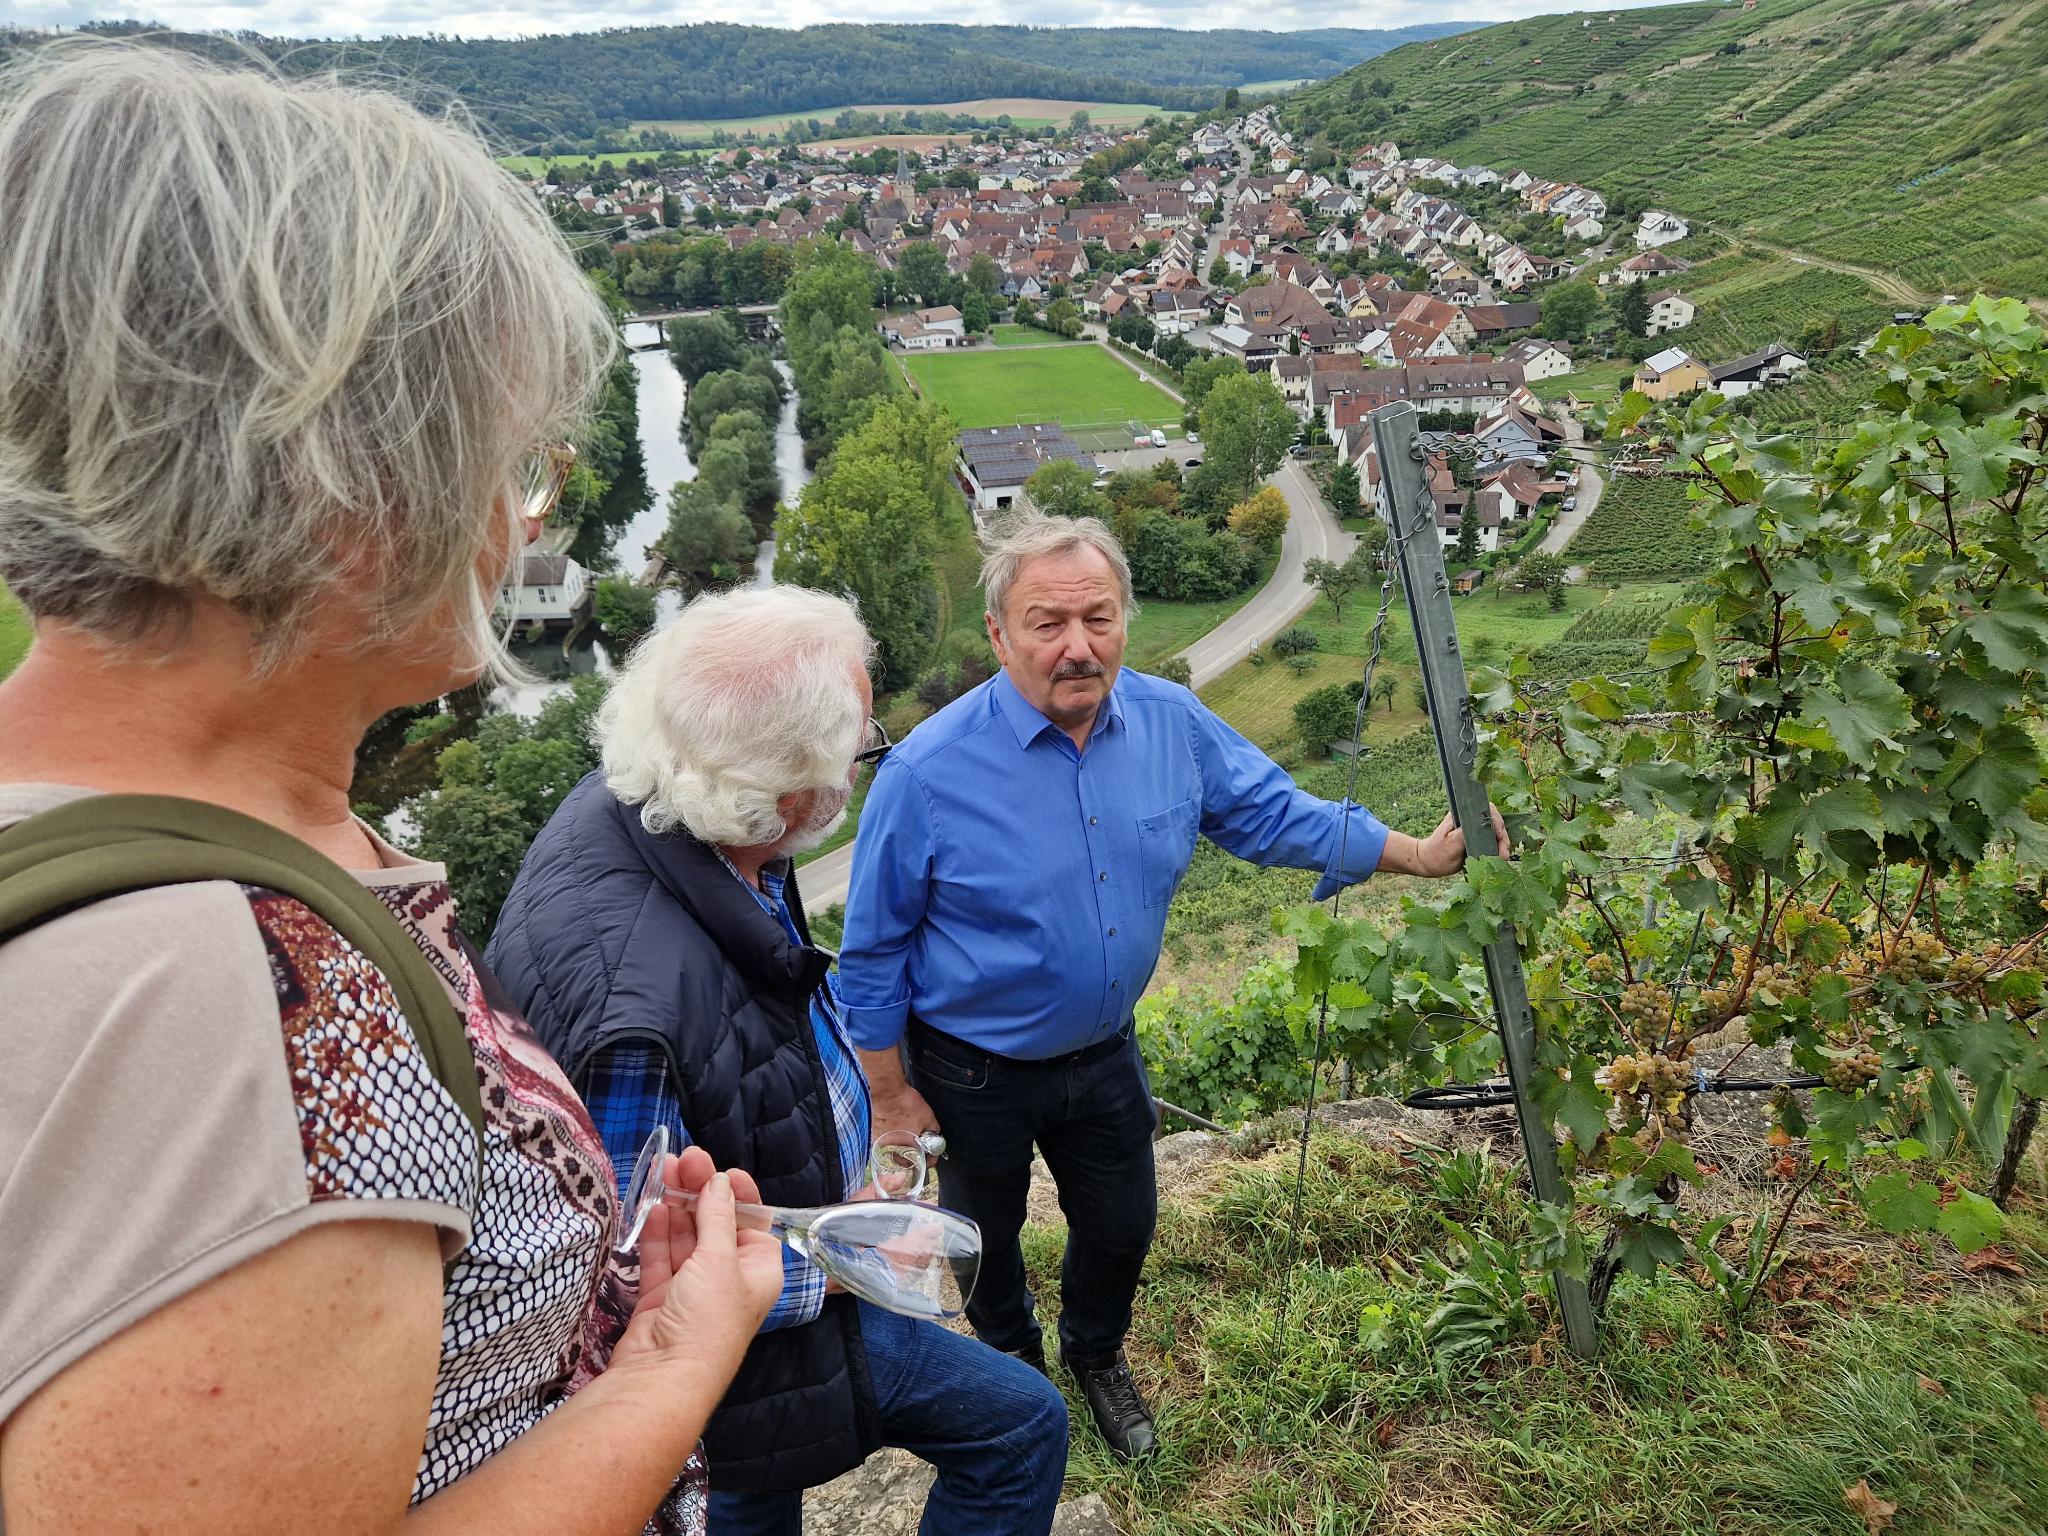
1908 137
534 89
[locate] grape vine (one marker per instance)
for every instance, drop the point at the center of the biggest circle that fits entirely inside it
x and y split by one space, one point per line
1844 734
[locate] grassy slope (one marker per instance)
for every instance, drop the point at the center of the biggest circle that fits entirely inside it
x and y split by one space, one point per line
1890 134
1078 385
1893 1366
14 632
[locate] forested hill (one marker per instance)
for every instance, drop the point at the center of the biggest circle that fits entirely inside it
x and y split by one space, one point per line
578 85
1904 136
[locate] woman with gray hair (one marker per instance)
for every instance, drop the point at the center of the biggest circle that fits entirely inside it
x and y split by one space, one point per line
279 368
656 939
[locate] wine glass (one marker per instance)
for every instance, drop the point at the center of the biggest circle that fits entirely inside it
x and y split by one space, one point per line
896 1165
902 1255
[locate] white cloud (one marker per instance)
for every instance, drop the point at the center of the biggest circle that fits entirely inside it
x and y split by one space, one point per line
376 18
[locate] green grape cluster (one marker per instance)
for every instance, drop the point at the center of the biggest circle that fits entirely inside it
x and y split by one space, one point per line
1656 1082
1599 966
1853 1069
1646 1008
1916 957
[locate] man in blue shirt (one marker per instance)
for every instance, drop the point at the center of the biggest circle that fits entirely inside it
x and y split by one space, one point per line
1016 858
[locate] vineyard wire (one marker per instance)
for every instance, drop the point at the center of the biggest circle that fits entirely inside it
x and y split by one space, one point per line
1387 579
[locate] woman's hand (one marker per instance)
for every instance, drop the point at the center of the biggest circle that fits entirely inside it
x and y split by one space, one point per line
705 1286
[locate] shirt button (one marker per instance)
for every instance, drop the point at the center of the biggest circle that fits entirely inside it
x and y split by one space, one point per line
1113 984
1092 820
1112 933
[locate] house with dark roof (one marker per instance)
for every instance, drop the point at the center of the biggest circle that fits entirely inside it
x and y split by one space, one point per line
1774 364
996 461
551 591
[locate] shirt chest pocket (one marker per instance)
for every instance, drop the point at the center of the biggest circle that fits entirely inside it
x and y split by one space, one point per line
1166 842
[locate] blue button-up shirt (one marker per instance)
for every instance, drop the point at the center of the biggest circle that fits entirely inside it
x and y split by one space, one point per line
1012 891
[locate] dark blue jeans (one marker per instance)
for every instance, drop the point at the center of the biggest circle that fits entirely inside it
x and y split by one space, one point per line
994 1428
1093 1120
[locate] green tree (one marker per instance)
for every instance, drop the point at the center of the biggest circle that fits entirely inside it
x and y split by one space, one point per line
1063 316
850 375
1541 572
1344 490
1230 99
1078 123
1199 376
1384 687
1632 309
707 535
831 286
1247 425
1466 551
704 344
1325 715
974 313
1334 581
982 276
624 608
1568 311
1066 489
868 526
921 272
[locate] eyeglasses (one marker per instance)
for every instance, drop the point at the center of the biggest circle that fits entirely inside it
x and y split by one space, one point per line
546 474
875 745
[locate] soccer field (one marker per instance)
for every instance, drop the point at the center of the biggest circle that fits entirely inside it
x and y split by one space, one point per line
1075 386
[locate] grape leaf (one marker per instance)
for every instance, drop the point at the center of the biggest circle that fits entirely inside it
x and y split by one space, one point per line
1870 711
1898 1202
1786 819
1997 770
2011 631
1970 1221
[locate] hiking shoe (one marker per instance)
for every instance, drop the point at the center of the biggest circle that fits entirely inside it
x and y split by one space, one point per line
1033 1355
1120 1412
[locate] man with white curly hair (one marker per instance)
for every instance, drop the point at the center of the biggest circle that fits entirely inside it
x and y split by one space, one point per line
657 942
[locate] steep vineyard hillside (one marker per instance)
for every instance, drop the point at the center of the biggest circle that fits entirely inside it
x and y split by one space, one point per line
1907 137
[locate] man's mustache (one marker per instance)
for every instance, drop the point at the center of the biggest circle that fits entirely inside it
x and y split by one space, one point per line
1068 670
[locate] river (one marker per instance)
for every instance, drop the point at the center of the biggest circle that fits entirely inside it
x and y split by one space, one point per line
660 395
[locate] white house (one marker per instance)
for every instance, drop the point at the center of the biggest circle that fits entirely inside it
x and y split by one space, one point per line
1660 228
1540 358
548 590
1775 364
1670 310
927 330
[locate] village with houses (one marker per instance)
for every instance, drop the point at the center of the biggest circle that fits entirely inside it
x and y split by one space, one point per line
1387 278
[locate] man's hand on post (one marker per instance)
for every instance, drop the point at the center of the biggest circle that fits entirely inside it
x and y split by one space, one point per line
1441 853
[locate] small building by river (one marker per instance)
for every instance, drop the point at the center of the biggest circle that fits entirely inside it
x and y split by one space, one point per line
551 593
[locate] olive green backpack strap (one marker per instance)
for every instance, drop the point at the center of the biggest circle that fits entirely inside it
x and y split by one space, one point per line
105 845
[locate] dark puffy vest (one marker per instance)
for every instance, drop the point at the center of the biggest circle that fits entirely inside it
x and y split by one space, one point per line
613 934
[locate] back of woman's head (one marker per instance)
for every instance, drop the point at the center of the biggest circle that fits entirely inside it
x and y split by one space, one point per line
267 342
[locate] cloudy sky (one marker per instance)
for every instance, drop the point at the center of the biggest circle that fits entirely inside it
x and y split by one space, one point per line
512 18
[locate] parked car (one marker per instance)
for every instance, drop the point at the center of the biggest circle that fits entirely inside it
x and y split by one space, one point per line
1192 463
1297 451
1158 437
1571 503
1194 437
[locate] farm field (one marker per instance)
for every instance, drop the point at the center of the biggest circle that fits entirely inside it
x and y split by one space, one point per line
1079 387
1023 111
1593 380
14 632
1902 137
1746 303
1642 529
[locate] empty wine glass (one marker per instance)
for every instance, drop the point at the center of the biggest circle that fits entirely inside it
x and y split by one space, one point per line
896 1165
902 1255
